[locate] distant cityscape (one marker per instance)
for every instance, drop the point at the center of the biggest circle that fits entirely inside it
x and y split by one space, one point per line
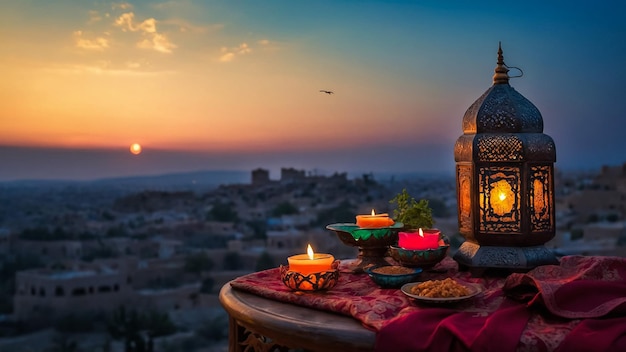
101 266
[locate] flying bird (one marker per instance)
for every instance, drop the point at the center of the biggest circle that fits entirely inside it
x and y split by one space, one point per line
327 91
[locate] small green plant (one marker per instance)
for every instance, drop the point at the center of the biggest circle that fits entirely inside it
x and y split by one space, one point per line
411 213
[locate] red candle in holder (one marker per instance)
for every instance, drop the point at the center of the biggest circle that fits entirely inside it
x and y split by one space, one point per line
423 239
311 262
374 220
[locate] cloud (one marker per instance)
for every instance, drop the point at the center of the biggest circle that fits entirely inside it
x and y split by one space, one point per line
121 6
153 39
125 21
94 16
149 31
106 67
185 26
148 26
157 42
99 43
243 49
227 57
229 54
269 45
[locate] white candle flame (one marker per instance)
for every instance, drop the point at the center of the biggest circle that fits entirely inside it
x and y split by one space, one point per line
310 253
373 213
421 232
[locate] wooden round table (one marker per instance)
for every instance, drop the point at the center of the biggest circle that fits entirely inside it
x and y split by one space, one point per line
263 324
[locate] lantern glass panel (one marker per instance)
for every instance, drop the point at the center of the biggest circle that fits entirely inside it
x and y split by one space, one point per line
541 199
464 173
499 199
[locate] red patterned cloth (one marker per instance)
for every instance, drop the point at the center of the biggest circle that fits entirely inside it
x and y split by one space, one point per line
488 322
354 295
579 287
456 329
590 292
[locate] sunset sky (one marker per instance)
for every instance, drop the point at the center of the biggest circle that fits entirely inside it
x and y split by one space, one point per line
235 84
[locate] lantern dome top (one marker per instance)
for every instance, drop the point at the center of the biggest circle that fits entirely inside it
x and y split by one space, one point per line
501 109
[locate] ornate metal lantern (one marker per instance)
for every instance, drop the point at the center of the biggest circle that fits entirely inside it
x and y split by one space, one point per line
505 181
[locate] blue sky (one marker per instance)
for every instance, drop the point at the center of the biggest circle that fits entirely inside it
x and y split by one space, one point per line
235 84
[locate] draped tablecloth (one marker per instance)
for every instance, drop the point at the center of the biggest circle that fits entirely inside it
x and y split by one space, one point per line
578 305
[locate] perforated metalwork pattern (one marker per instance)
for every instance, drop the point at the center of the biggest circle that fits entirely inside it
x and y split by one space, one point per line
505 110
469 119
497 114
502 109
539 146
498 147
527 113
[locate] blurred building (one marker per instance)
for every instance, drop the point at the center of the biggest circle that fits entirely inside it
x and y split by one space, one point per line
77 288
48 294
291 175
603 198
260 176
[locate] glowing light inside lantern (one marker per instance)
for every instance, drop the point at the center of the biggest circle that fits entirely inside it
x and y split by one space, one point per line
502 197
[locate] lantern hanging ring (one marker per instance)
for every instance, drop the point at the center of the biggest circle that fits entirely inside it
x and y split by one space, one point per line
517 68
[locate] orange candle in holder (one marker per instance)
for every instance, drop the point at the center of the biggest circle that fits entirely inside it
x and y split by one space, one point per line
311 262
374 220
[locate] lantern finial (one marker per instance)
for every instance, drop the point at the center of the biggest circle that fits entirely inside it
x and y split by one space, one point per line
501 75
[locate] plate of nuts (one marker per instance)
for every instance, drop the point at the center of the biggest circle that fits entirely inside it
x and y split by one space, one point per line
440 291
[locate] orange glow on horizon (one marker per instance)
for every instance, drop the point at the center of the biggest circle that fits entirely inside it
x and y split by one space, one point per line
72 112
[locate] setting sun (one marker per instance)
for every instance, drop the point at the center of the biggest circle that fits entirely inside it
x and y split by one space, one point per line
135 148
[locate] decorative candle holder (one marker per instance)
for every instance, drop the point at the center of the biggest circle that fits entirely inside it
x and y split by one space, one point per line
373 243
323 280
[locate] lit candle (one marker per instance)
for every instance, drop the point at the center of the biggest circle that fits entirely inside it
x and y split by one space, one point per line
374 220
424 239
311 262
